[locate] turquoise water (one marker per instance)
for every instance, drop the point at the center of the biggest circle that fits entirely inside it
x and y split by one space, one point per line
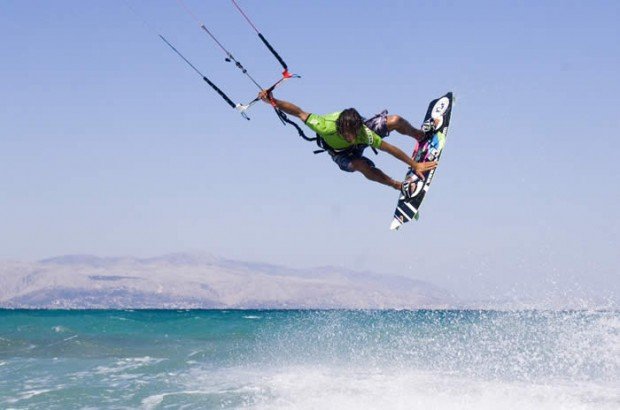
309 359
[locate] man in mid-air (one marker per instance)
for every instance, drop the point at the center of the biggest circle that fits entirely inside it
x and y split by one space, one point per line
345 136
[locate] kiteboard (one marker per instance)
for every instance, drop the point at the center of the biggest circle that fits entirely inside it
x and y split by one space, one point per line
439 111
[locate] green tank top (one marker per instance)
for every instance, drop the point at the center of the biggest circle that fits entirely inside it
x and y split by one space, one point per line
325 126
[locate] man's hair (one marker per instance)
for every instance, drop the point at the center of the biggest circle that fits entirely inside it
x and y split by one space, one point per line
349 121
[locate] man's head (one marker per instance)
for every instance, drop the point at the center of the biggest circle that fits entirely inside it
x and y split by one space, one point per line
349 123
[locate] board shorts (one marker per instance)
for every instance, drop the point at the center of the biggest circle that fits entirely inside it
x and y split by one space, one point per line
343 159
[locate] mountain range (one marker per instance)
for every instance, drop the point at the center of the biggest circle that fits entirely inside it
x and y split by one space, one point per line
184 281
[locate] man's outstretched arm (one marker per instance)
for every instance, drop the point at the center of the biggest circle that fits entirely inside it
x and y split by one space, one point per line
285 106
418 167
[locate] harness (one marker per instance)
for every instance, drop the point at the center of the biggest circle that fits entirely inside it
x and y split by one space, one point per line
320 142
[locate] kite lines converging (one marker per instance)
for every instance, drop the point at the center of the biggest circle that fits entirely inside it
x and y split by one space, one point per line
241 108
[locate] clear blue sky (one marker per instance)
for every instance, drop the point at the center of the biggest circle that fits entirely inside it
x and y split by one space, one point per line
110 145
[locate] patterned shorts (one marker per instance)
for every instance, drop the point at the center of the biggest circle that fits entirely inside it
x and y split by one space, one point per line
378 124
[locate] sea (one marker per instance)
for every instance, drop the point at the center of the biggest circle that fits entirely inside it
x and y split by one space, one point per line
309 359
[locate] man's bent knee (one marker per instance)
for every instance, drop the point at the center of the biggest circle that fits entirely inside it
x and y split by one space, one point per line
393 121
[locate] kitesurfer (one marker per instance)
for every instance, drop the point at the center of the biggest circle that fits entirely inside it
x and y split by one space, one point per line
345 135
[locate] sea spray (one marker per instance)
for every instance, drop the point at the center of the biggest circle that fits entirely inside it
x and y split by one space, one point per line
310 359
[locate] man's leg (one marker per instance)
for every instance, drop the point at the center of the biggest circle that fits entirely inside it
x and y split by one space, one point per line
402 126
373 173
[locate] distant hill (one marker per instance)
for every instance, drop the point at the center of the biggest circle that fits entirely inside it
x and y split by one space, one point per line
203 281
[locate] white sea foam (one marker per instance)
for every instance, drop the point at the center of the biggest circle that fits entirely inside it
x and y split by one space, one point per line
28 394
60 329
127 364
310 387
151 402
346 389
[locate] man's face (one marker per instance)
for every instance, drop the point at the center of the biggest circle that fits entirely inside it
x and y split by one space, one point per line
349 136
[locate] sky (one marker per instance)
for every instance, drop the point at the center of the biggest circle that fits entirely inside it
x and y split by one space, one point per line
111 145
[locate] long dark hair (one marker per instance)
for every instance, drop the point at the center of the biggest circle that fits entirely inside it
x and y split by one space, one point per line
349 121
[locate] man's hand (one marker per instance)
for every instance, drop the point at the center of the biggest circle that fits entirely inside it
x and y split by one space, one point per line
418 167
265 95
421 167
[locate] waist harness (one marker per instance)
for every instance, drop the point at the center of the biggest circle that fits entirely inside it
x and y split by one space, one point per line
320 142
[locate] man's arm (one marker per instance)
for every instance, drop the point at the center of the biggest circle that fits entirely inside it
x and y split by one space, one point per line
285 106
418 167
